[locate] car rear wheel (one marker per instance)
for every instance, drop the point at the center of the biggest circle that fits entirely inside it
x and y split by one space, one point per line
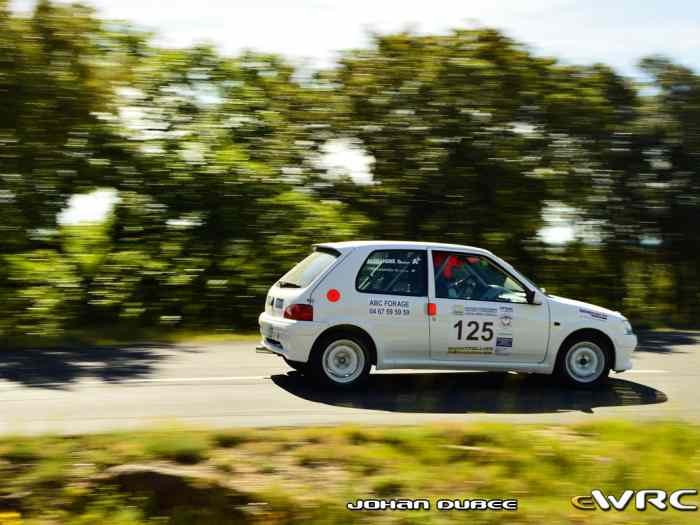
297 365
342 361
584 362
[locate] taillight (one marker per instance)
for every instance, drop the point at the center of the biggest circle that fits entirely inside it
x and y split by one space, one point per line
299 312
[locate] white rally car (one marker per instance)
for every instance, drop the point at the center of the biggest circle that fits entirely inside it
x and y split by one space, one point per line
351 305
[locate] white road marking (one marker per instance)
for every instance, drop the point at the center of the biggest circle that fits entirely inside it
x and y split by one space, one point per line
194 379
633 371
106 382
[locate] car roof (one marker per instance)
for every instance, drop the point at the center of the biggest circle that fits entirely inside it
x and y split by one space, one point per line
348 245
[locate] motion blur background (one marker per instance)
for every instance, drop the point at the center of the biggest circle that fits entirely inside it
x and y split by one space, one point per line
218 167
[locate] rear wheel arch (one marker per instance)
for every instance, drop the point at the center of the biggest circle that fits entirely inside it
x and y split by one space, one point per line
347 329
593 334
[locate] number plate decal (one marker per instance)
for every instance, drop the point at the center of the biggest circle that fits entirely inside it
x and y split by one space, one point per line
482 330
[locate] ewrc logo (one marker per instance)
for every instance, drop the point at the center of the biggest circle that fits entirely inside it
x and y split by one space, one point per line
642 498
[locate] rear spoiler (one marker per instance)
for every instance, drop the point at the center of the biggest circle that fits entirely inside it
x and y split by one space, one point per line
327 248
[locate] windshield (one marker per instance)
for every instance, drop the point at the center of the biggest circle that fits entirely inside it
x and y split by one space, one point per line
304 273
524 279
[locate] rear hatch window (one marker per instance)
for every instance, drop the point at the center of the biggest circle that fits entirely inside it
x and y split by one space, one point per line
306 271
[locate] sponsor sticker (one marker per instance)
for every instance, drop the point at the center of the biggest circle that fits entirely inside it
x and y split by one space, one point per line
480 311
394 308
505 317
505 342
592 313
504 345
470 350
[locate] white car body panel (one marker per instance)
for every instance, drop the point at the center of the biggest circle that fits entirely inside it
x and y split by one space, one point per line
410 338
398 339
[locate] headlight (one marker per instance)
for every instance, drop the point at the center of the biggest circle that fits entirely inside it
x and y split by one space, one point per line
628 327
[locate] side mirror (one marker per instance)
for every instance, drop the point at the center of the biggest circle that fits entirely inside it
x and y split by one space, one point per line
529 295
533 297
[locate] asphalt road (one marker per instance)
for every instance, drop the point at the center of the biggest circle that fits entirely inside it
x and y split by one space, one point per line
227 385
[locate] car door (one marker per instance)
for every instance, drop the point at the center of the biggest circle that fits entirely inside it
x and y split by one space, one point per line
392 286
481 313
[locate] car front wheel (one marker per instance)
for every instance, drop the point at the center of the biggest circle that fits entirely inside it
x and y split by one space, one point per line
342 361
584 362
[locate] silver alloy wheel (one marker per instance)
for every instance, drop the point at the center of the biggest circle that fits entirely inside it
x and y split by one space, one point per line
585 361
343 361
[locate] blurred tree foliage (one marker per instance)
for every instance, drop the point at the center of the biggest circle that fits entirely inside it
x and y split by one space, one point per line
55 79
215 163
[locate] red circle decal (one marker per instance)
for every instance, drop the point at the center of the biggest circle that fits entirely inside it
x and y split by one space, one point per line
333 295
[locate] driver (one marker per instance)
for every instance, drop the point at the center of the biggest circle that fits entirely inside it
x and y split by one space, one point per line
453 277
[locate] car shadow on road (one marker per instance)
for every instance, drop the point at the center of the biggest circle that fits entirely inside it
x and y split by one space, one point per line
57 368
666 342
472 392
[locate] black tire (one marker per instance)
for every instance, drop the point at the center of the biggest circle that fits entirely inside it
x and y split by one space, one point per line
297 365
341 360
584 361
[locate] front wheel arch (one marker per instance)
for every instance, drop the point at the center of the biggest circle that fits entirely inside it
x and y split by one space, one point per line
596 340
594 333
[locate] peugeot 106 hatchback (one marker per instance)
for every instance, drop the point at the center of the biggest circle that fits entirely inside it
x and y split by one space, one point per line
351 305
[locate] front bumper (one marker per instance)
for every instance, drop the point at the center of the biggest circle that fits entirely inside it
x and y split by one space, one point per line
288 338
625 346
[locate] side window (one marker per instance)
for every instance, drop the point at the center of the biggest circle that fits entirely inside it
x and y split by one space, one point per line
394 272
475 278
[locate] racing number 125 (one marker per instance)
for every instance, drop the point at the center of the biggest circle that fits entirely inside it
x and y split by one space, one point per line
474 326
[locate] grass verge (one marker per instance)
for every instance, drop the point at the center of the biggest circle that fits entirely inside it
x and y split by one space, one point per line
173 476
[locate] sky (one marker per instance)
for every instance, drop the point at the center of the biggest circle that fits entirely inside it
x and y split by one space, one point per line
618 32
312 32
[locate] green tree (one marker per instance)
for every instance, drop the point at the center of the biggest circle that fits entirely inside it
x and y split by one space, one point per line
473 136
673 126
218 146
55 81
